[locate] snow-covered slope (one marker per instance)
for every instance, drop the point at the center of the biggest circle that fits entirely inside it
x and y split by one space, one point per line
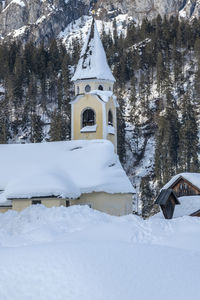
78 253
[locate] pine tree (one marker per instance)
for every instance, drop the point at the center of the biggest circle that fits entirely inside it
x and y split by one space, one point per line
36 129
167 141
4 121
188 145
121 129
159 71
58 129
147 197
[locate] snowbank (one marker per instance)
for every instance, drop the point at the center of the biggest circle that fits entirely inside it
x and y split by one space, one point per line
77 253
63 169
188 205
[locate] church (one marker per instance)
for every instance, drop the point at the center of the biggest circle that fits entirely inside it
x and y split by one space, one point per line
85 170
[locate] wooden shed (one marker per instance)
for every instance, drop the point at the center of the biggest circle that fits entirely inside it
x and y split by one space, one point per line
185 184
167 200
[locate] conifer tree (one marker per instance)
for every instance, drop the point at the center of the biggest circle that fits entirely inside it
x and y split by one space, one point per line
36 129
167 140
188 145
58 129
147 197
121 129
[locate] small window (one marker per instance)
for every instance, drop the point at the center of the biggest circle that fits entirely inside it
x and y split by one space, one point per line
88 118
67 203
110 118
78 90
110 88
86 204
35 202
100 87
87 88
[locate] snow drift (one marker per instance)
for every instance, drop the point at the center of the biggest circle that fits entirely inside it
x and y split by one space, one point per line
77 253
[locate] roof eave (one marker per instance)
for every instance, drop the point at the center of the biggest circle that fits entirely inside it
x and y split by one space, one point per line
92 78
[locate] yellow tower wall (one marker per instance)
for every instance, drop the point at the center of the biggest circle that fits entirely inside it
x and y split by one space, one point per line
94 84
87 101
112 137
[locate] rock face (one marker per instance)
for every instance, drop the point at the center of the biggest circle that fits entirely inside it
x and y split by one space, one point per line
139 9
191 9
38 20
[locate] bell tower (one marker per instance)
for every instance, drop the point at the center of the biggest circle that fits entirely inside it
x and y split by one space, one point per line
93 110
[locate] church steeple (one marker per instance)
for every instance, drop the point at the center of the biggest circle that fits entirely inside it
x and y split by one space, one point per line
93 110
93 63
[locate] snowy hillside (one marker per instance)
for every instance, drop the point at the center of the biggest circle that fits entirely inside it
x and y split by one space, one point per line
37 20
78 253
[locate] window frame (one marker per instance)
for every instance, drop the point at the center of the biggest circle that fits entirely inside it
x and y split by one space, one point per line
36 202
82 115
100 87
110 114
89 88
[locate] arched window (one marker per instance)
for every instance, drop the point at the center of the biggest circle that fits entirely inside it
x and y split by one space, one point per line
78 90
110 118
100 87
87 88
88 117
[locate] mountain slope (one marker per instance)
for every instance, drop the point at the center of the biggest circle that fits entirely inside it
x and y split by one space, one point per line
39 20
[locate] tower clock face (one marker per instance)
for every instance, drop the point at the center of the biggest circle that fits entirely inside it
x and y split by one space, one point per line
87 88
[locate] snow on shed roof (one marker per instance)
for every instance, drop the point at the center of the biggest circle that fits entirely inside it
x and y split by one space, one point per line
63 169
93 62
189 205
194 178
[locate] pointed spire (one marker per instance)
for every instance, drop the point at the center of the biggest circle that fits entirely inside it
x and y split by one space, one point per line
93 63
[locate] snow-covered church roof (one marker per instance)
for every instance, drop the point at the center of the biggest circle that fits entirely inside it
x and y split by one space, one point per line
93 63
62 169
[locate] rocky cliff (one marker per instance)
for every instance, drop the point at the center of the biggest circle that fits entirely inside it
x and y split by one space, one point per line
38 20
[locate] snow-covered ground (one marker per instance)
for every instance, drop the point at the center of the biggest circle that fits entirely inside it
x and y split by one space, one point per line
77 253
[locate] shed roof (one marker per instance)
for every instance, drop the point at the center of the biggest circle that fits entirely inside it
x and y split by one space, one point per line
164 196
62 169
194 178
